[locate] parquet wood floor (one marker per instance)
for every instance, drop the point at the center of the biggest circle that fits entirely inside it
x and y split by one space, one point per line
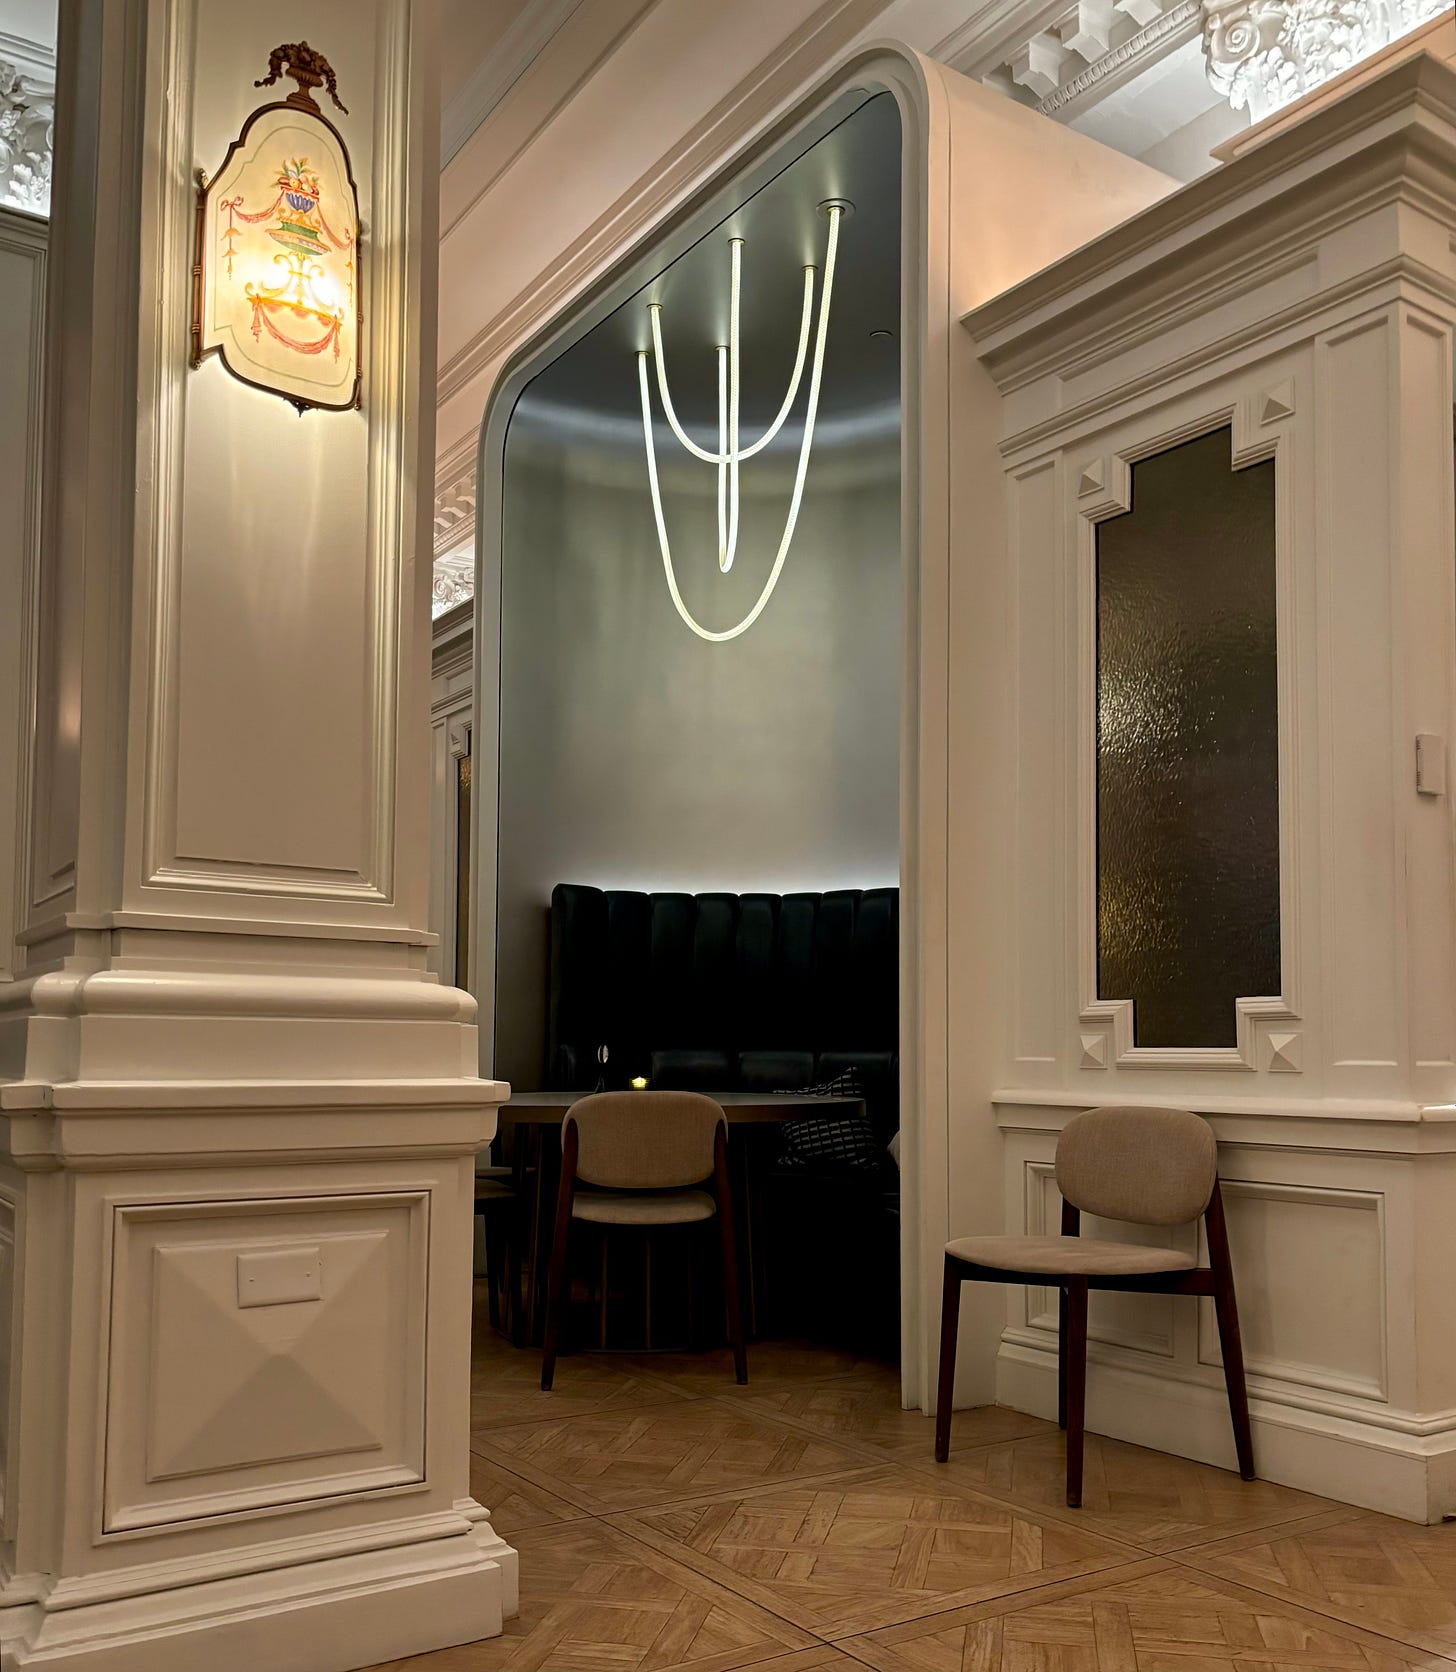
1159 1619
622 1459
1144 1497
667 1518
883 1546
865 1409
1389 1575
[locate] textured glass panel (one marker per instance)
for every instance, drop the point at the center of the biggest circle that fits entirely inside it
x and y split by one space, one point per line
1188 746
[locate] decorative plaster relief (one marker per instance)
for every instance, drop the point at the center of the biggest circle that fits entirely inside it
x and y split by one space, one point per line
1263 54
27 138
1088 48
453 581
1094 1050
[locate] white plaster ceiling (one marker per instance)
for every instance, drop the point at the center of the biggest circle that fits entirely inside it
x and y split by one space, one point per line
30 20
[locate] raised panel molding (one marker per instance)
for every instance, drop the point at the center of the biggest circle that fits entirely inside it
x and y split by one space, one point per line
350 879
1316 1316
217 1404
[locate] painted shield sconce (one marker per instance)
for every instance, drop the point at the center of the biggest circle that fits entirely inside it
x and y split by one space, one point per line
277 274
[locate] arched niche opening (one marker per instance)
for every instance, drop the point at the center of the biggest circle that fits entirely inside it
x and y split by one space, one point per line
989 192
636 754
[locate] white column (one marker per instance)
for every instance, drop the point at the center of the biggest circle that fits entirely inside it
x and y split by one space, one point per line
238 1116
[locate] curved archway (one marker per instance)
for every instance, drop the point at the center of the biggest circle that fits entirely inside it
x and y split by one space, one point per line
889 72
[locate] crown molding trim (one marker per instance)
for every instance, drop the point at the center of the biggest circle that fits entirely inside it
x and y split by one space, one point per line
499 71
33 59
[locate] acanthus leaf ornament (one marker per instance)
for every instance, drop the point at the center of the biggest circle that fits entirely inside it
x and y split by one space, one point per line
1263 54
27 121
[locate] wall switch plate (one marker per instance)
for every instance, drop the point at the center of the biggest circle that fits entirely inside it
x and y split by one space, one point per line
280 1276
1430 764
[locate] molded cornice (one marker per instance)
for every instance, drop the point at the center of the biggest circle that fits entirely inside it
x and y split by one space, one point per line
1393 137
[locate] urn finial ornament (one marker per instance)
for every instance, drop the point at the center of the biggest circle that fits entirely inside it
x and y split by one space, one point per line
308 68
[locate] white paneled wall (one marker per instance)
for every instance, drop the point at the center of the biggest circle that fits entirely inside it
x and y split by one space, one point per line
1305 296
22 325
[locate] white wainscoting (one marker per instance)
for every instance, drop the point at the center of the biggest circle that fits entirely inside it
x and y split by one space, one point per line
1325 1222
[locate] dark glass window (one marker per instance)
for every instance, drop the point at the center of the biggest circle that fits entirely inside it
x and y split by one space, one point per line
1188 746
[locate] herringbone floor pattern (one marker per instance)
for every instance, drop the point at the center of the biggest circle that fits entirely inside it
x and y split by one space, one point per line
667 1518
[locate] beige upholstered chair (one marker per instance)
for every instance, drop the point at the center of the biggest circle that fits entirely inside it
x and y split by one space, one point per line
1141 1166
643 1150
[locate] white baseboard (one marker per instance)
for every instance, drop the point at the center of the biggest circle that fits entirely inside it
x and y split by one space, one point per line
1378 1465
326 1616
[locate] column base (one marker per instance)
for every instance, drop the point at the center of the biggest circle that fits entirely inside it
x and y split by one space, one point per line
447 1586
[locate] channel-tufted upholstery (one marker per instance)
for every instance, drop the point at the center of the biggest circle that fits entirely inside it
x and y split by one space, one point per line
721 992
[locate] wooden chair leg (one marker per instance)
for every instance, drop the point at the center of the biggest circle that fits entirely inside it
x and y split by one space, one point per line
1061 1358
1071 1227
556 1273
1074 1374
731 1302
950 1320
494 1260
1226 1309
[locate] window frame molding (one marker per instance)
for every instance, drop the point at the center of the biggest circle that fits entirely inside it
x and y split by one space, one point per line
1262 422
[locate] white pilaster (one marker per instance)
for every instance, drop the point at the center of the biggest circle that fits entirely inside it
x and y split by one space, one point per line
238 1114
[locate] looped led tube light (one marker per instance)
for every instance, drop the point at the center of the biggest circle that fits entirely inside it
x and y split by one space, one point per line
729 454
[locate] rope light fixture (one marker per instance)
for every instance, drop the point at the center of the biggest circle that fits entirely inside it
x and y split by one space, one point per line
730 452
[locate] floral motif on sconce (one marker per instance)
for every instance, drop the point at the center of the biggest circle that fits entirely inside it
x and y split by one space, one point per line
277 274
1263 54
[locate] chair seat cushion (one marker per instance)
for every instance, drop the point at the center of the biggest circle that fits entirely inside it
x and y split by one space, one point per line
658 1207
1068 1256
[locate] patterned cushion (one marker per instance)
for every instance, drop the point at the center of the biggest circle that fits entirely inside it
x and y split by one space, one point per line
839 1142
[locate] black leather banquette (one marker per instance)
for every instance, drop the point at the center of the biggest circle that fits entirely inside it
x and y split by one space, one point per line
721 992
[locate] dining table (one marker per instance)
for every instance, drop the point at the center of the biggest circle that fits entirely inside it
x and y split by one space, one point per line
527 1119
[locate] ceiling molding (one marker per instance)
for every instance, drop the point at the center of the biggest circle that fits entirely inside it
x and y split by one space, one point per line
34 59
456 464
542 89
499 71
455 516
762 94
1155 40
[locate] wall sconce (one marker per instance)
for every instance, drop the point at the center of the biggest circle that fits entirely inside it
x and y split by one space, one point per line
276 281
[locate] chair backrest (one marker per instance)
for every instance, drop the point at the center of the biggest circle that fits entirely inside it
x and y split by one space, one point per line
1145 1166
644 1140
